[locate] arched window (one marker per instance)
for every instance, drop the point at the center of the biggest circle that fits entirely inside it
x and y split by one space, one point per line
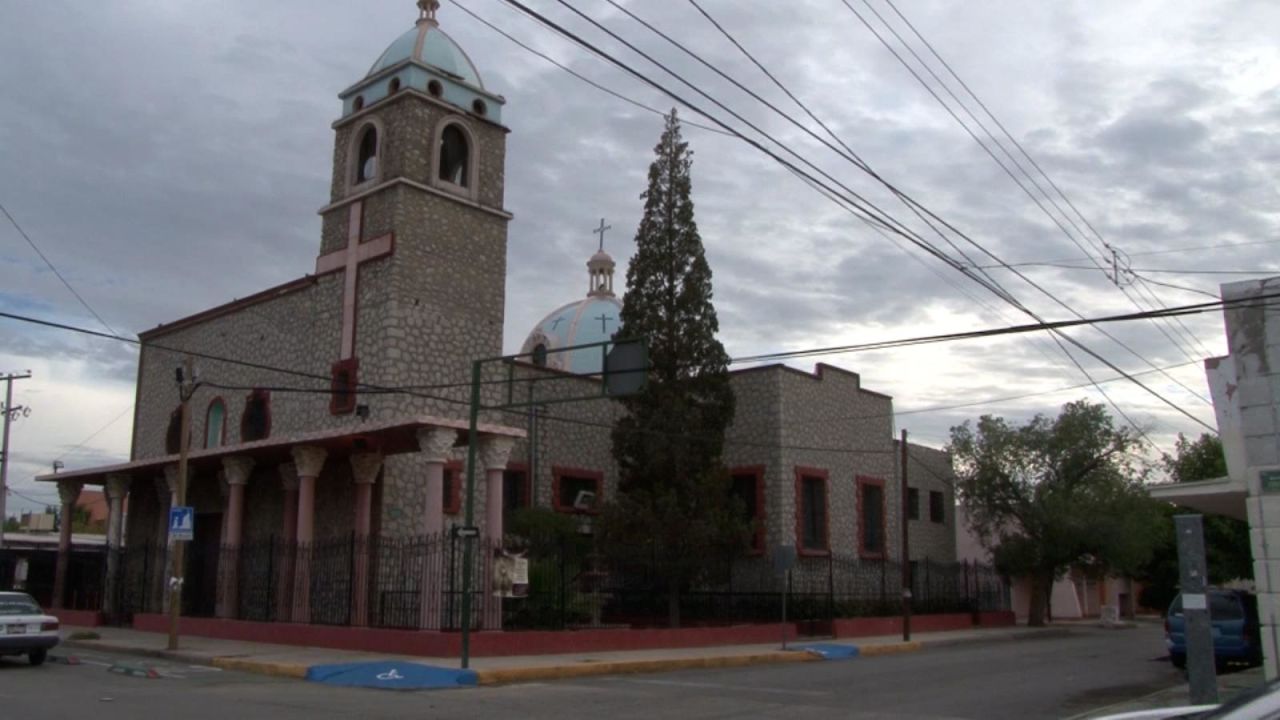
255 424
173 434
454 156
367 157
215 424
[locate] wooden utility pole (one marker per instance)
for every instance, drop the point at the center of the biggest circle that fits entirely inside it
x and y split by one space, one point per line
186 387
10 414
906 546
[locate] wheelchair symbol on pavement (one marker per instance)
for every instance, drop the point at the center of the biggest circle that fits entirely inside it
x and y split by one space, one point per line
390 675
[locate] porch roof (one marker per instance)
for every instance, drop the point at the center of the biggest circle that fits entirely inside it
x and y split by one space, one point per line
1221 496
388 437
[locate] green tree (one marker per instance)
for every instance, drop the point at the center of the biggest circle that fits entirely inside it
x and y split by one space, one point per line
1053 494
11 524
1226 540
673 505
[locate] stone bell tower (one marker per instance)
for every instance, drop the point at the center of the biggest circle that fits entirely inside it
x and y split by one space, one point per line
414 238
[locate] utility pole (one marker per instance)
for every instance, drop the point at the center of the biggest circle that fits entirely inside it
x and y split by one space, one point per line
11 413
186 388
906 547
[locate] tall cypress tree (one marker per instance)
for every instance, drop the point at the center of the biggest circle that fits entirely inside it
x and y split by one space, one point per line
673 503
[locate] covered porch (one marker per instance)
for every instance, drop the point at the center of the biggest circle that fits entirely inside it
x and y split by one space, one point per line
289 528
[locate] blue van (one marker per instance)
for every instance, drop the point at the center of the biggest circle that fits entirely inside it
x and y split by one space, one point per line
1234 618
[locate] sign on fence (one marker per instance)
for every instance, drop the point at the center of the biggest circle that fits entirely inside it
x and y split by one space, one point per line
510 574
182 523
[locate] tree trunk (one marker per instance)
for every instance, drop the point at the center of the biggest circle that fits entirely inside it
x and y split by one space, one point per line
673 606
1041 586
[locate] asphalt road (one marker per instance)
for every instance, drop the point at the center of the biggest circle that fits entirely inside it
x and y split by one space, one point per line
1030 678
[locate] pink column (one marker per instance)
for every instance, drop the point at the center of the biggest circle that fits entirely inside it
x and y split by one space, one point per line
309 461
288 536
494 451
435 444
364 471
68 493
236 470
117 487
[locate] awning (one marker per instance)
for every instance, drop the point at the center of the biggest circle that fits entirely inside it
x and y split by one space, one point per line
1222 496
387 437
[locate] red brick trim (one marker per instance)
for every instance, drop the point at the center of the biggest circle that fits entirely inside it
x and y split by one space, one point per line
453 490
343 384
761 517
219 401
823 475
558 472
863 481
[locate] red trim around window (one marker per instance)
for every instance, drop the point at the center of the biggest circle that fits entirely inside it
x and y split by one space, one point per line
265 396
863 481
342 385
528 481
558 472
761 517
216 401
453 499
823 475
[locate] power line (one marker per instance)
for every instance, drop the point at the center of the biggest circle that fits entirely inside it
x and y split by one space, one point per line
906 233
46 260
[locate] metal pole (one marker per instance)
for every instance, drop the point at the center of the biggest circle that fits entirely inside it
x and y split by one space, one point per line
4 454
1195 609
906 547
175 572
786 584
472 439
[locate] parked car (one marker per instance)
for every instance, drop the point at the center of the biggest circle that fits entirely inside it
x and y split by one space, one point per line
24 628
1262 701
1233 615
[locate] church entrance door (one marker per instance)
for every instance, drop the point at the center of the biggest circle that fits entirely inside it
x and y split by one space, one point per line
200 587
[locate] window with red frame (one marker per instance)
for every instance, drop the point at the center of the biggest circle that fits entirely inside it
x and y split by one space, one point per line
871 539
255 423
215 424
571 485
342 387
452 487
813 512
747 486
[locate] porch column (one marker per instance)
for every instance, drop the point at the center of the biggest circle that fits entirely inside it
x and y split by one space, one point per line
309 461
494 452
68 493
364 471
288 536
435 444
117 486
236 470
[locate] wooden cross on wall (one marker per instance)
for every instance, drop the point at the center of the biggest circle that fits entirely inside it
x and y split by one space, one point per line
348 260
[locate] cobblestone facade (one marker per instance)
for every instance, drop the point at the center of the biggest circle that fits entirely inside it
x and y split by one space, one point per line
929 471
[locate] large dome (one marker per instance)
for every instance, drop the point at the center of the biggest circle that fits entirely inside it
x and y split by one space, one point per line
585 321
428 44
593 319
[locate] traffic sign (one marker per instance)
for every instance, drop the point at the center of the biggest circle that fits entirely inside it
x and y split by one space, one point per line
466 531
182 523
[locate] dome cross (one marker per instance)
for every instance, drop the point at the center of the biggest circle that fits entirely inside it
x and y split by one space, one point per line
600 231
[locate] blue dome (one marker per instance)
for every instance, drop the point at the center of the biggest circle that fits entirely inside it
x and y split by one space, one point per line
593 319
428 44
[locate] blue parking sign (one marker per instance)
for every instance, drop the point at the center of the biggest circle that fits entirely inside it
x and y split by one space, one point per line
182 523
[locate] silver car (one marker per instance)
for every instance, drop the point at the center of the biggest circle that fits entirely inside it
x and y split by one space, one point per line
24 628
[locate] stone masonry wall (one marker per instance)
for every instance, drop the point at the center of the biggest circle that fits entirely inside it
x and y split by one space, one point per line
929 470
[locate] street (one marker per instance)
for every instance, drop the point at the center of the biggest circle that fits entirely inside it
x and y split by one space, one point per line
1049 677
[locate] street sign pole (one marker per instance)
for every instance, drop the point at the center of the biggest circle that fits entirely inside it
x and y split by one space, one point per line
185 387
469 541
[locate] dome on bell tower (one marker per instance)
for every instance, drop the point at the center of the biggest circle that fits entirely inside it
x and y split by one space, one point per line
426 59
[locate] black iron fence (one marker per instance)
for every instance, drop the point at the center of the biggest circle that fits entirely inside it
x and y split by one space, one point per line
32 570
416 583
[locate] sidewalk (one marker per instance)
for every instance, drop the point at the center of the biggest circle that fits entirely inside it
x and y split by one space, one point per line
1229 685
294 662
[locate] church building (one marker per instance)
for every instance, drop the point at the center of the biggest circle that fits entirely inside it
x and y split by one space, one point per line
329 418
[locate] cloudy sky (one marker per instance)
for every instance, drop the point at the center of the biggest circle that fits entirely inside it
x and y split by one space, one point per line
170 156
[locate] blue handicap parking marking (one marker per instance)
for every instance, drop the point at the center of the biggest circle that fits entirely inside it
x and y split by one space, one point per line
831 651
391 675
